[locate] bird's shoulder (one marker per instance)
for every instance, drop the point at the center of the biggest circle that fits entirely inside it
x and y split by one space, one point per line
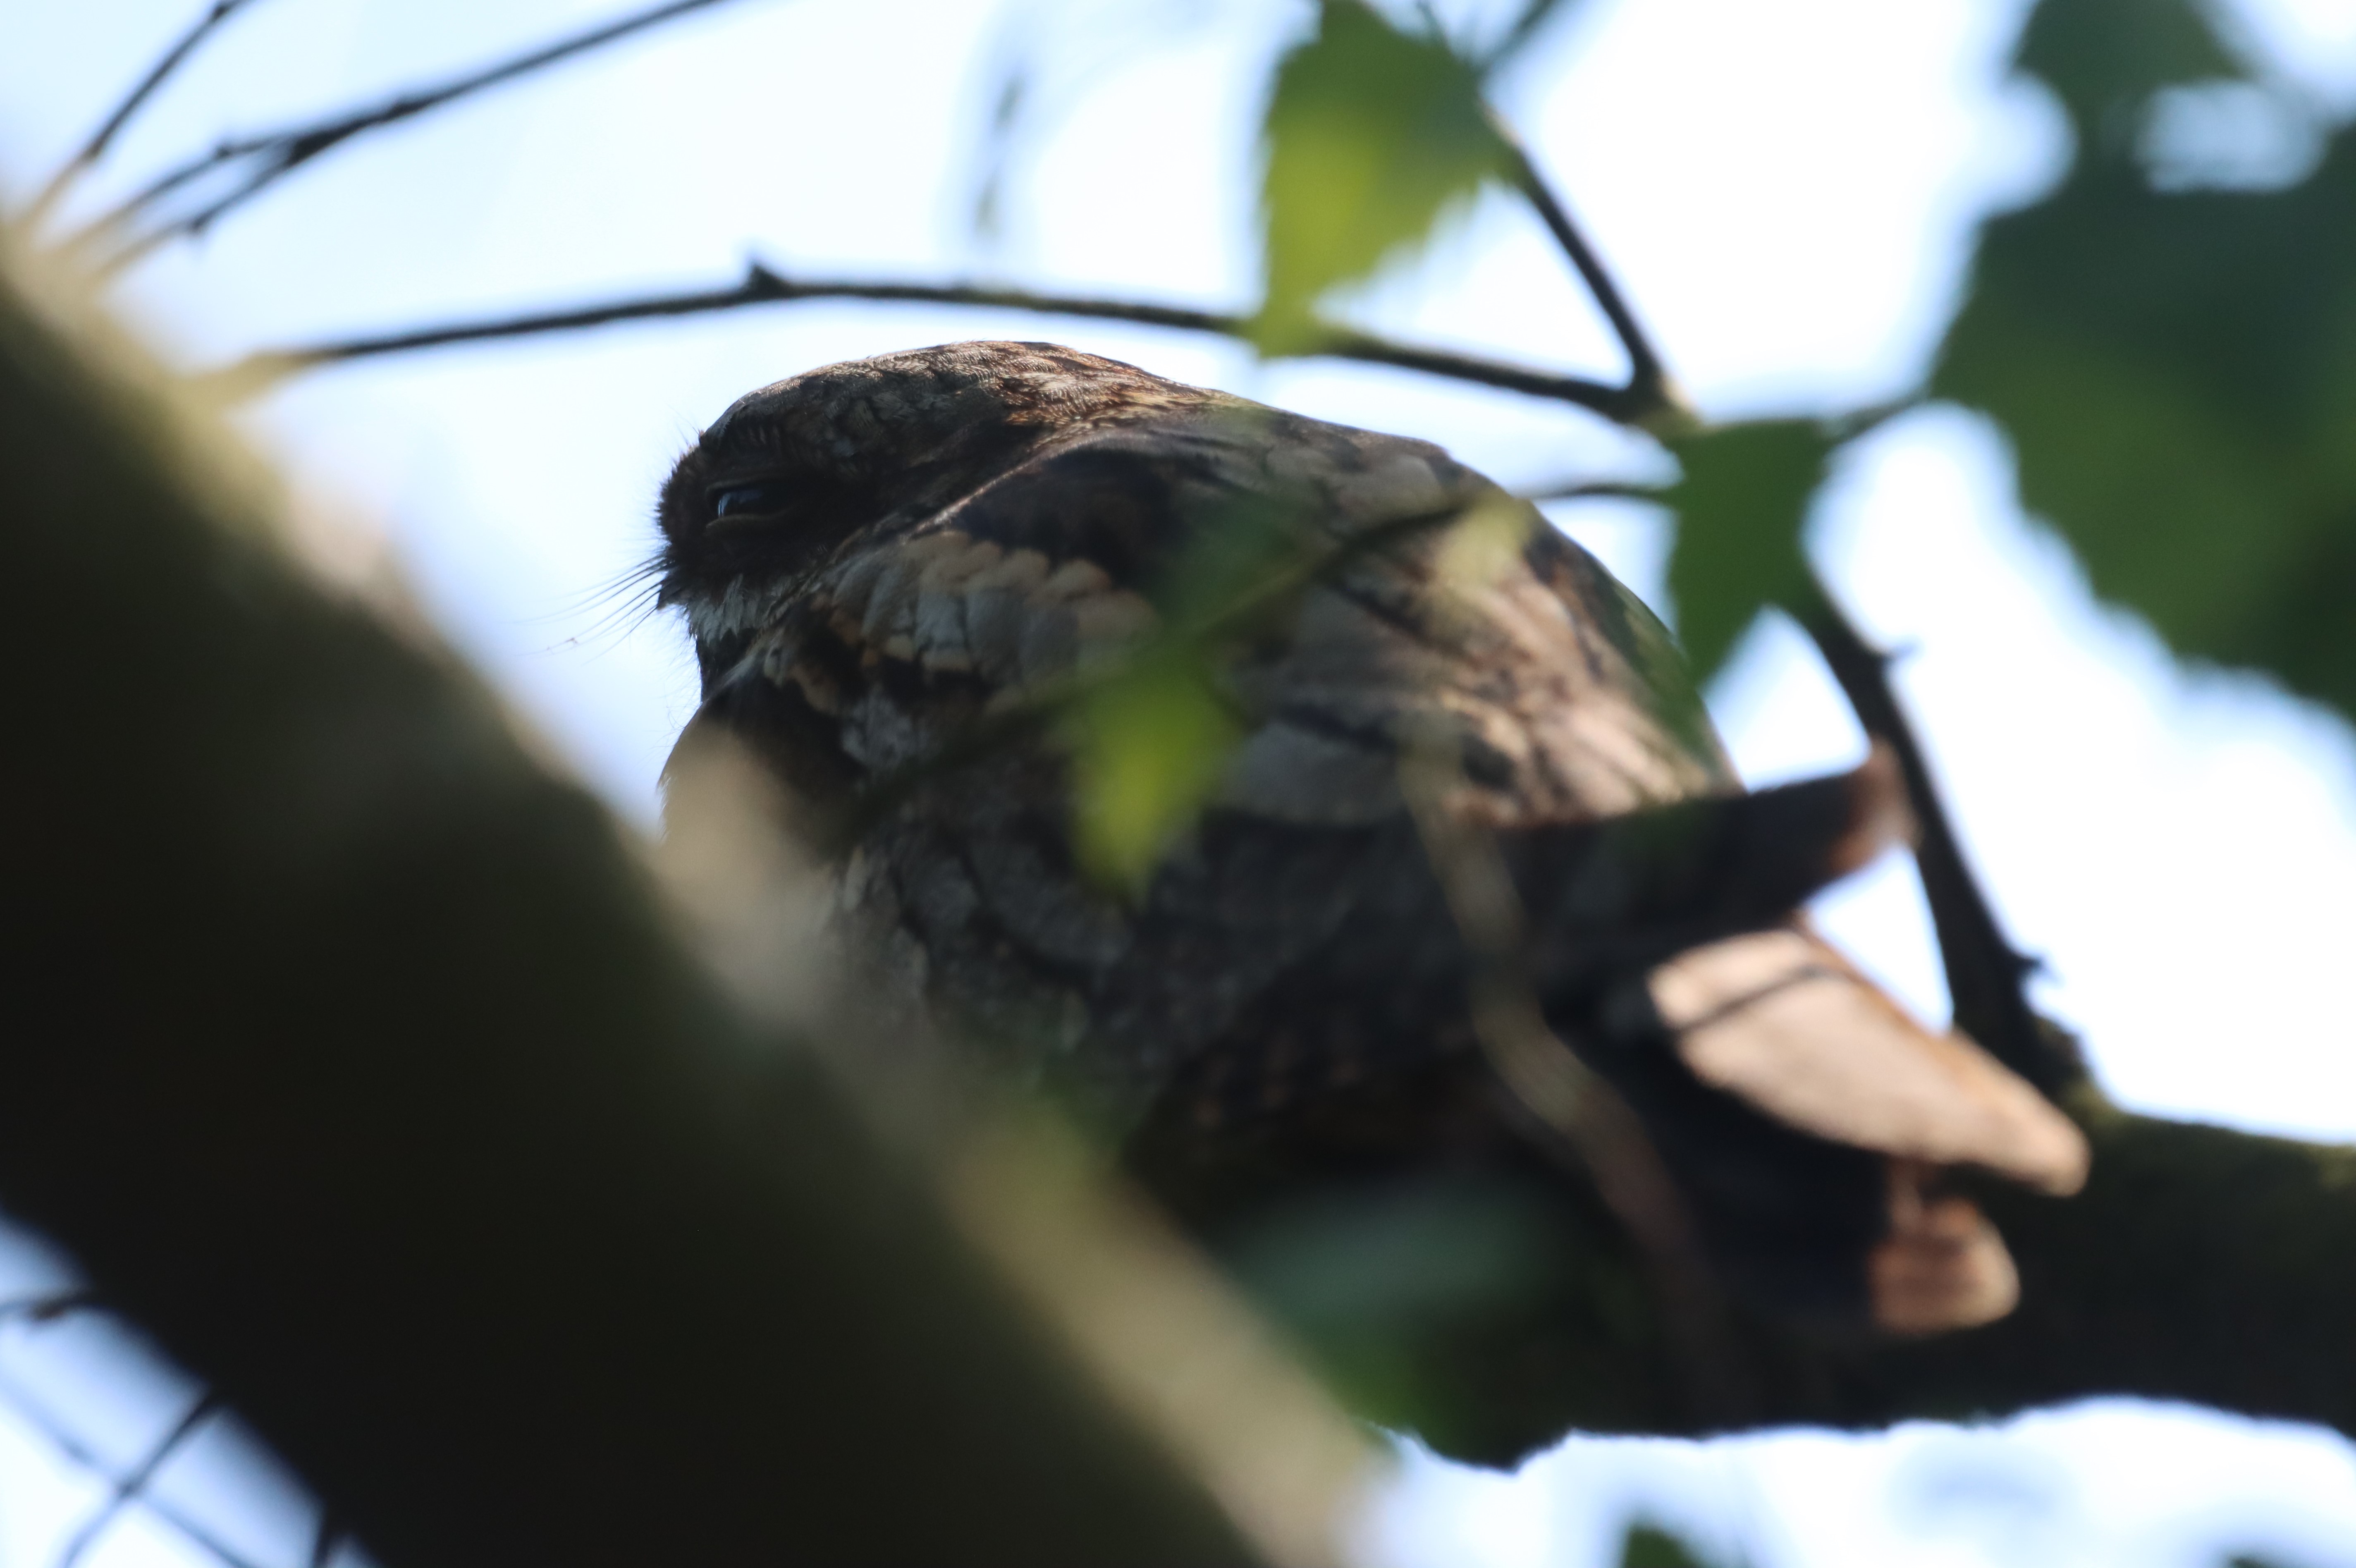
1564 693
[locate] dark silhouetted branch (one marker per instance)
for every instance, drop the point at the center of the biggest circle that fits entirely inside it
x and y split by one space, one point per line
127 1486
1591 489
103 137
271 156
76 1452
763 286
1652 400
1984 971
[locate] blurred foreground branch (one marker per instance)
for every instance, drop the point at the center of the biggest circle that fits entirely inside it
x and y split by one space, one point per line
352 1057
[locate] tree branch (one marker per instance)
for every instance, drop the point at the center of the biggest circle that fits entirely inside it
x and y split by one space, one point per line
103 137
763 286
1651 401
350 1055
1984 971
274 154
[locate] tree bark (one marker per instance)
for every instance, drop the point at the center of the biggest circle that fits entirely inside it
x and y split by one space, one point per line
349 1052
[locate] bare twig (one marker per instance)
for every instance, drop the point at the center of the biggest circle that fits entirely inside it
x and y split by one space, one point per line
1592 489
1652 400
61 1438
1562 1093
763 286
1984 970
1535 14
103 137
49 1307
272 156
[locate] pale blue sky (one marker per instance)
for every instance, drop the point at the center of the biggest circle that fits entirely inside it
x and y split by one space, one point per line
1786 191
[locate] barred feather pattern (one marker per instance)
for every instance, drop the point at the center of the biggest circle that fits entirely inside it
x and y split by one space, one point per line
878 559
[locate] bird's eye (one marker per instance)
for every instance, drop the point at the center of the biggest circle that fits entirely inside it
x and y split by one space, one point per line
769 495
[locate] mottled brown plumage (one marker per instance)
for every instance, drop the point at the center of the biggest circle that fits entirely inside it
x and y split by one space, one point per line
876 558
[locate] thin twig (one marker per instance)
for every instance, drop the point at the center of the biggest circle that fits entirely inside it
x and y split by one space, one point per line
763 286
103 137
1985 973
1562 1093
274 154
1651 401
49 1307
129 1486
1593 489
61 1438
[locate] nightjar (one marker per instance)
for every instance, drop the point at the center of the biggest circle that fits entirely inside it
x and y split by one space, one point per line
888 566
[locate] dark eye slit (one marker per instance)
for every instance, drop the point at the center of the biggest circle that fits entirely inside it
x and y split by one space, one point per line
756 495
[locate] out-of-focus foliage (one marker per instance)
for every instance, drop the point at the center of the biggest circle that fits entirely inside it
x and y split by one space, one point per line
1147 747
2103 59
1741 503
1649 1546
1150 735
1372 134
2176 369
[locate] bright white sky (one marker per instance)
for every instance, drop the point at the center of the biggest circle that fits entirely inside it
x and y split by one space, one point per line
1785 191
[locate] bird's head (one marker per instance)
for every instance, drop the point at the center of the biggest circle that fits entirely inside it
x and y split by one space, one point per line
794 475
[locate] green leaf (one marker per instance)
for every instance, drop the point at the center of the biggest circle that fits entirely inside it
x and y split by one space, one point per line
1649 1546
2178 373
1148 745
1372 134
2105 58
1741 505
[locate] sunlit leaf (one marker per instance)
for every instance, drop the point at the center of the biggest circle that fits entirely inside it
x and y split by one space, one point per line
1147 746
1649 1546
1372 134
1741 504
2178 374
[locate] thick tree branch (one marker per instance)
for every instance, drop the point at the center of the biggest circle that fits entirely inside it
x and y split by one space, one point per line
352 1057
763 286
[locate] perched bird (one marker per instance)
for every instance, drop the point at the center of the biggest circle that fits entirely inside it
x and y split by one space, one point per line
889 565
